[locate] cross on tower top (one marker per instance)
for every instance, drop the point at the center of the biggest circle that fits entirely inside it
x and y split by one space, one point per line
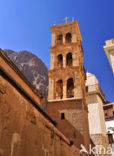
65 19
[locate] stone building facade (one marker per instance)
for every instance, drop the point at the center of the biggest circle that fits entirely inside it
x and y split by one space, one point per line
67 95
109 121
25 129
95 99
109 50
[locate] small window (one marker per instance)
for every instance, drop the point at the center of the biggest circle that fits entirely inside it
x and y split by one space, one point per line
60 39
59 89
62 116
70 88
69 59
86 89
68 37
71 142
110 138
106 114
60 60
113 113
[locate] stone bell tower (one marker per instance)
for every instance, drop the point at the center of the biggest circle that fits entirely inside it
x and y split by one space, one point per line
66 94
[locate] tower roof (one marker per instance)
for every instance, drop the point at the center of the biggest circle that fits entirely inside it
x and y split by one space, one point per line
64 28
64 24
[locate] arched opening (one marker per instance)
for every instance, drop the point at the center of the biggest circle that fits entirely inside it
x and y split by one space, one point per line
59 89
69 59
68 37
70 88
60 60
60 39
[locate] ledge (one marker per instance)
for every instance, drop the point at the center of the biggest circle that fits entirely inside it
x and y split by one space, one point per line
66 99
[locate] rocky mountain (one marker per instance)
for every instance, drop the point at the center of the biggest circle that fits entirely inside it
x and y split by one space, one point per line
32 67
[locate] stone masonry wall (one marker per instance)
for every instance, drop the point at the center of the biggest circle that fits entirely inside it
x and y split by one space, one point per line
26 132
71 126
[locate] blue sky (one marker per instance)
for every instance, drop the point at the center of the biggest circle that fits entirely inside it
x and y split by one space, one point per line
24 25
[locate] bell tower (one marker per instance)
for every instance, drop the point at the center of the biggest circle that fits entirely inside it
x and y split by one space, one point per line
66 93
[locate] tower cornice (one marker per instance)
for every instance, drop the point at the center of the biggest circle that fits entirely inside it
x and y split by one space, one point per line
63 25
66 45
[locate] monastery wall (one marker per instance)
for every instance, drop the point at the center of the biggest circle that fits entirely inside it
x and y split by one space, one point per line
24 131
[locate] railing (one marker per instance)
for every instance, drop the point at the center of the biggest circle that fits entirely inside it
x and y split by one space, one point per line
108 118
95 88
59 64
59 42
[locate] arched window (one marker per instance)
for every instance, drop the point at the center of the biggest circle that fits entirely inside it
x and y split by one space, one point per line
60 39
70 88
59 89
69 59
60 60
68 37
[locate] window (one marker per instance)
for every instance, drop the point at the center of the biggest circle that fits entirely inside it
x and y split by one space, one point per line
62 116
106 114
70 88
69 59
68 37
60 60
60 39
113 113
59 89
110 138
71 142
86 89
